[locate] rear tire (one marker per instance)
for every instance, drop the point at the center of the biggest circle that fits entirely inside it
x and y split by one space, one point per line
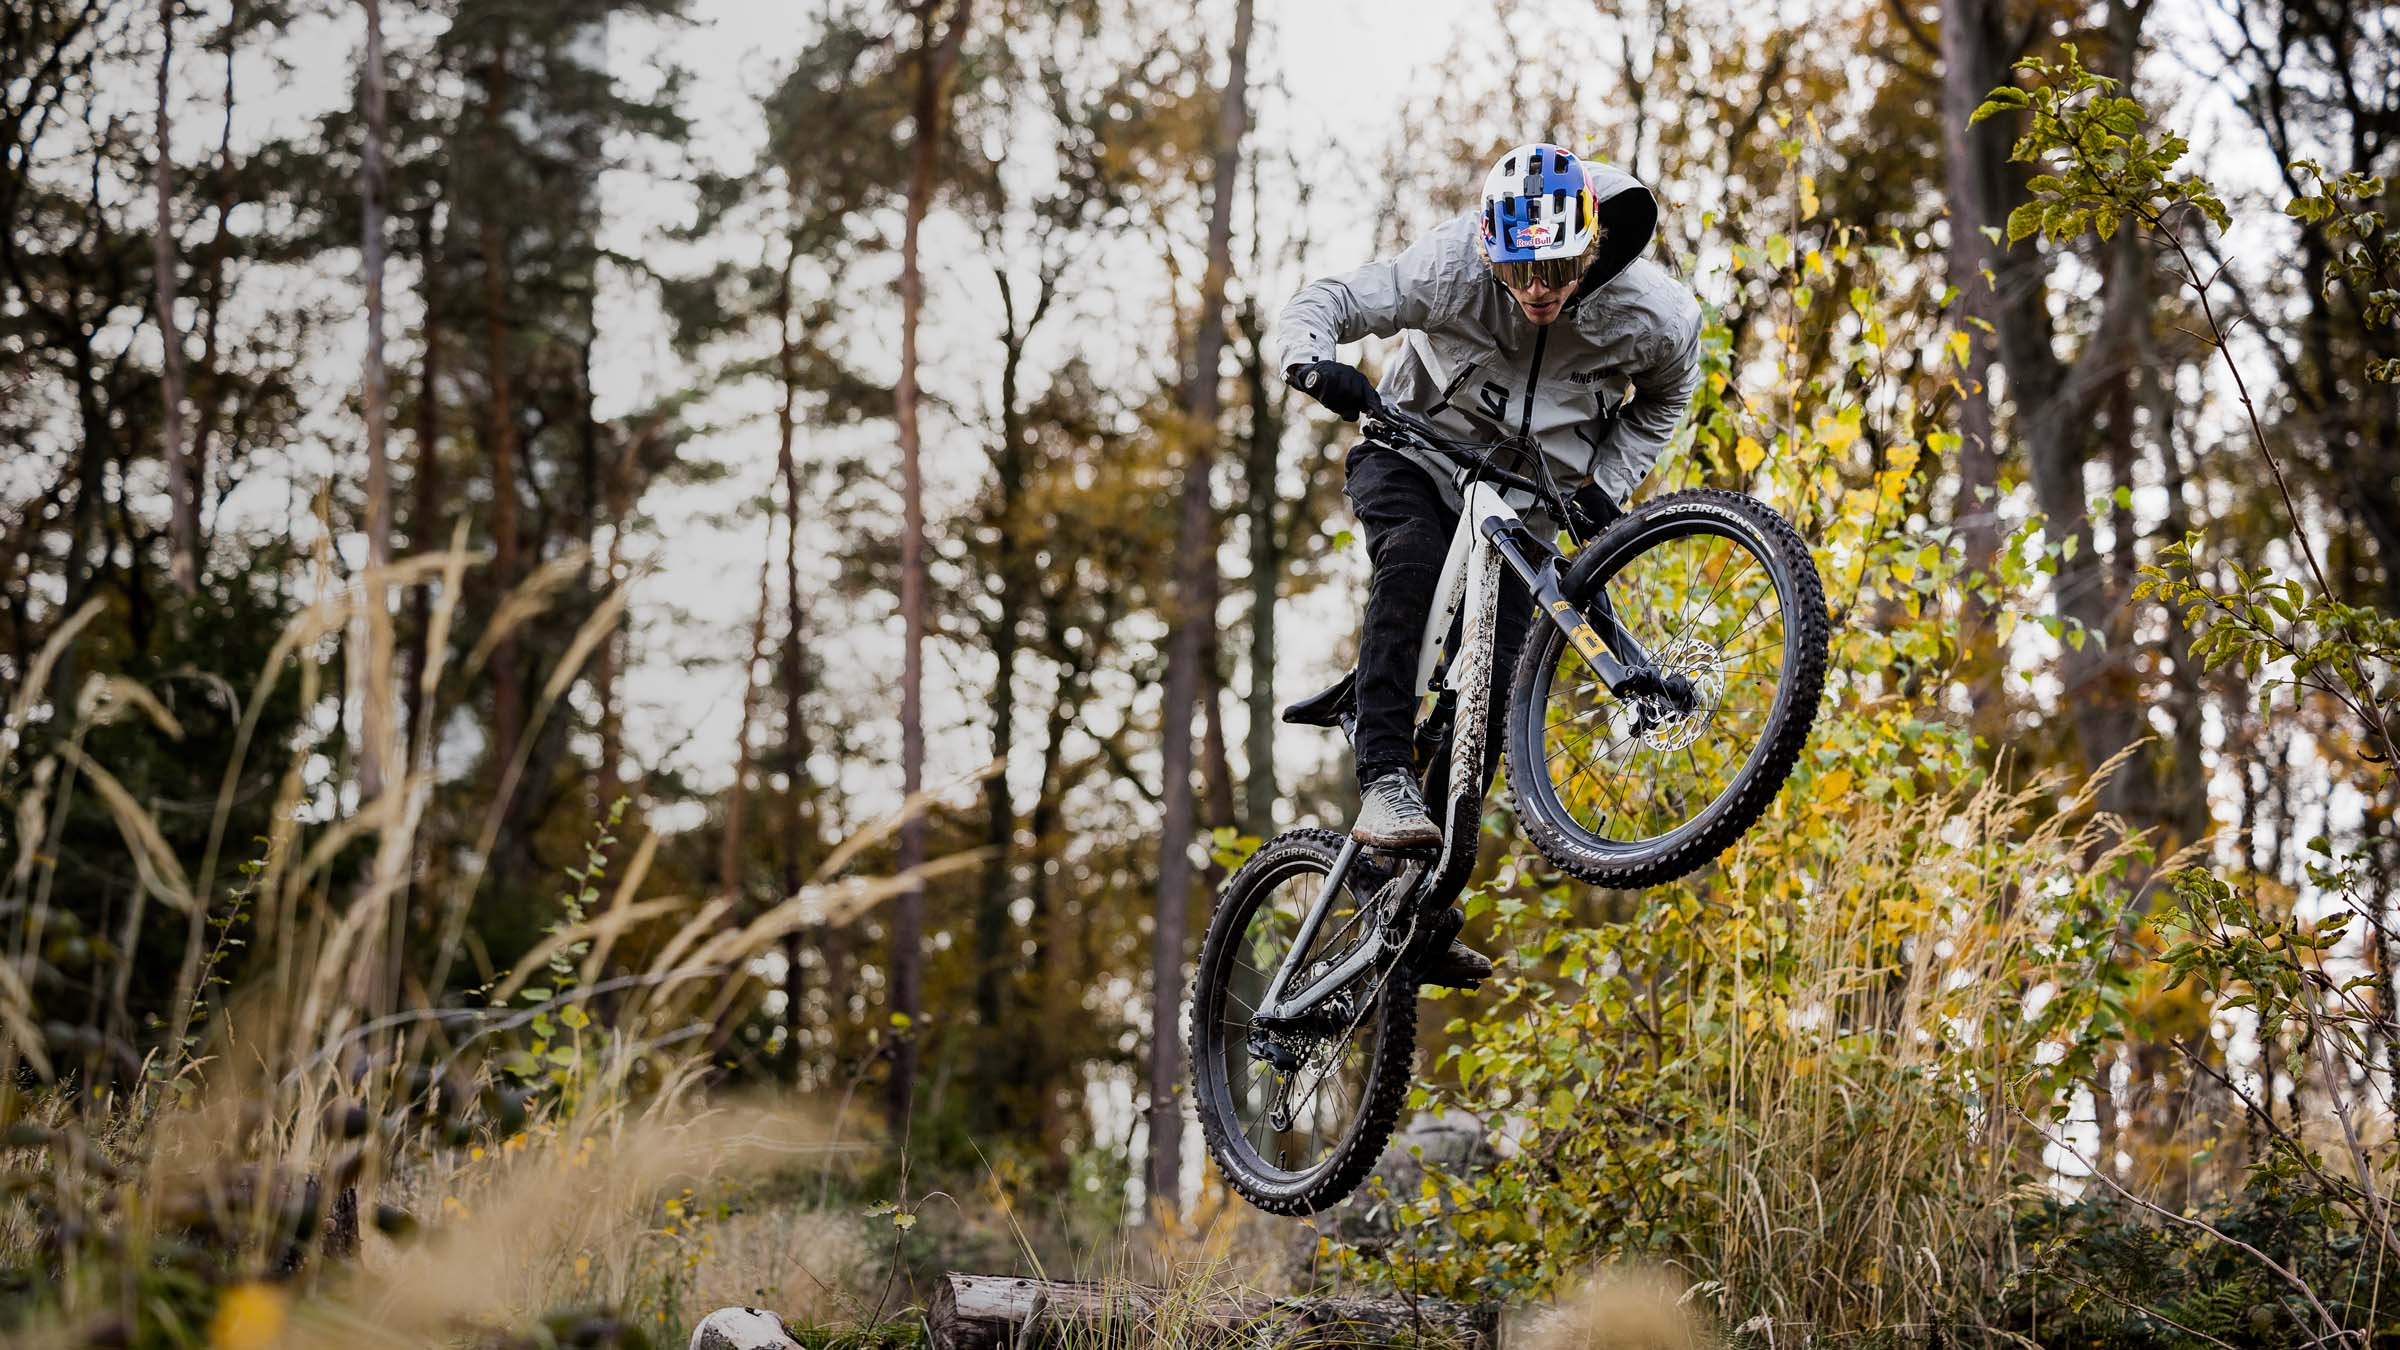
1225 1078
1623 841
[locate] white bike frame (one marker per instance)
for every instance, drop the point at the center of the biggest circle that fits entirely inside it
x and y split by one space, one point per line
1471 575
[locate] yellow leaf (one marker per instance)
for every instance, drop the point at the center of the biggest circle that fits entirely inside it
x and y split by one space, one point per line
1833 785
1958 348
1808 197
1748 453
249 1317
1837 433
1814 262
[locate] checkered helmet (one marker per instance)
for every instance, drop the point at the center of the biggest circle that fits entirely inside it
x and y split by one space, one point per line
1538 217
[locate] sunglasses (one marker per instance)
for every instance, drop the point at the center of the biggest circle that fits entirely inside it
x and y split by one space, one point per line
1552 273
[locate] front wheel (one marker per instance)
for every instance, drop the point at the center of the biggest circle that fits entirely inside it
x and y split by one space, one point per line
1721 595
1297 1116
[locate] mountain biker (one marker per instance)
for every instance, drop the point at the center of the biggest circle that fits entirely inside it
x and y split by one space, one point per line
1534 316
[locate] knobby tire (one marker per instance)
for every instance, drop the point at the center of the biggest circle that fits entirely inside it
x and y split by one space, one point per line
1697 841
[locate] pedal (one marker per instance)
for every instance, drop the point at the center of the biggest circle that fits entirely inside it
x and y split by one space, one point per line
1444 927
1400 858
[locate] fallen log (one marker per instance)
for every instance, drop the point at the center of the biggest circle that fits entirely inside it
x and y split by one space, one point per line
996 1312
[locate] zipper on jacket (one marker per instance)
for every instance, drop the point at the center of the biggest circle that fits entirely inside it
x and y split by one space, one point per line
1533 380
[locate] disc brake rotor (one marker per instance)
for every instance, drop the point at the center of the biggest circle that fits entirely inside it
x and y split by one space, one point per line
1664 725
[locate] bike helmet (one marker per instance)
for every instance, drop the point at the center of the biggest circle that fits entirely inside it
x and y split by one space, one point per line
1539 219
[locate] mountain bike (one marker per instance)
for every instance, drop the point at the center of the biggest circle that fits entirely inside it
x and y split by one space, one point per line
1650 721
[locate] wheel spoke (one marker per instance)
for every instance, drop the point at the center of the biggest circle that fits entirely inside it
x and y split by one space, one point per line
1697 602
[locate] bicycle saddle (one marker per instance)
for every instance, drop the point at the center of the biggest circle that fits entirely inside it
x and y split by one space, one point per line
1328 707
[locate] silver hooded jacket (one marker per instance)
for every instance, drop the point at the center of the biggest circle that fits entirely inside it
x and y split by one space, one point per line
1599 389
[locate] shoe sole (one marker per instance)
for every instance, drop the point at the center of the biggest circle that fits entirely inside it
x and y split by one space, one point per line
1431 838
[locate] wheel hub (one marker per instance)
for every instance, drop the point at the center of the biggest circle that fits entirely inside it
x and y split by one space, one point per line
1675 717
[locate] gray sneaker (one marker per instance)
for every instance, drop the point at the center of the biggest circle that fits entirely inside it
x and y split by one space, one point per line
1391 814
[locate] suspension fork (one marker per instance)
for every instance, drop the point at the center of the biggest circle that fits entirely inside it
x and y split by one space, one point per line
1594 632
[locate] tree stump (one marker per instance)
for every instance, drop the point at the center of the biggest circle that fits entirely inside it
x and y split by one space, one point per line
995 1312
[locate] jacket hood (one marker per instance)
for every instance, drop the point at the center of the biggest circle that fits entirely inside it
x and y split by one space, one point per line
1629 212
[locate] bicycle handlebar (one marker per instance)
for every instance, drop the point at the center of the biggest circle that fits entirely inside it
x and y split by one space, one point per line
1478 458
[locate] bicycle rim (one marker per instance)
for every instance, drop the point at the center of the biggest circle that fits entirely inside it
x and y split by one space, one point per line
1633 775
1296 1141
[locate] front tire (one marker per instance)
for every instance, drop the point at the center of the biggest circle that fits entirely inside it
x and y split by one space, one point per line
1720 590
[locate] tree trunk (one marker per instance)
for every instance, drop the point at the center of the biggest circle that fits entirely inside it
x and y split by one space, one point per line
617 494
730 862
2055 407
1266 577
2187 777
375 706
1195 551
995 1312
1000 816
183 494
206 388
1972 63
508 698
799 829
934 58
425 514
1216 762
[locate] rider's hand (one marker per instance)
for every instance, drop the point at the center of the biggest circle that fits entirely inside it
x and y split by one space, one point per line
1344 390
1591 510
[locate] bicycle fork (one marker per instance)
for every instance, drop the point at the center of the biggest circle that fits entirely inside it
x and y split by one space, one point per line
1612 652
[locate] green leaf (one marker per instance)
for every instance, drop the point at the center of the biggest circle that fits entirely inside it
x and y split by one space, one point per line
2023 221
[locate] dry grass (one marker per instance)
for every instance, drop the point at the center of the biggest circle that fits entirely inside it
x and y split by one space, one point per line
1920 1014
1614 1309
184 1192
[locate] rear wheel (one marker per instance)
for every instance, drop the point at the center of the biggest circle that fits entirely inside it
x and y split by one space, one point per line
1721 594
1299 1136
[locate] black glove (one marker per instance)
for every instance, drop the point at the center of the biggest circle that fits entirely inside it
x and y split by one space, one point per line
1344 390
1589 511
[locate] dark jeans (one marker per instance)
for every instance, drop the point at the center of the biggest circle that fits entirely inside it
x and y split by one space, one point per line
1408 537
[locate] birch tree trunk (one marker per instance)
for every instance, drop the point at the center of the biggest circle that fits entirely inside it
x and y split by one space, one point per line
1195 551
183 495
935 56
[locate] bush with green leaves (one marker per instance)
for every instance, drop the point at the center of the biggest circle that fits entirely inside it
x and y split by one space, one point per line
2106 169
